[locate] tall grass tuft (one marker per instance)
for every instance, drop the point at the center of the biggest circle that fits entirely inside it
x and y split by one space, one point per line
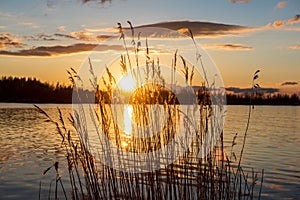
213 176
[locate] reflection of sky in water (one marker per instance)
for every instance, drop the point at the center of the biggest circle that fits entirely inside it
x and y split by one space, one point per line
28 146
272 144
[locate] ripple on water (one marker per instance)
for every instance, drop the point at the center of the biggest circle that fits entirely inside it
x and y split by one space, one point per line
29 145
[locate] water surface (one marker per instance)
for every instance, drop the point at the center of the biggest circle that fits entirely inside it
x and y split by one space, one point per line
29 145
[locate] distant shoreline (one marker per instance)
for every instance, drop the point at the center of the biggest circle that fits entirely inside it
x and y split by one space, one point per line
27 90
64 103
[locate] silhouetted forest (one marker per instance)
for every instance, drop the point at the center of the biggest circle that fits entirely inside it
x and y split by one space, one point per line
31 90
263 99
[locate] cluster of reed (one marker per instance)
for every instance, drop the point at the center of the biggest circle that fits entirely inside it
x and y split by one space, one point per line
213 176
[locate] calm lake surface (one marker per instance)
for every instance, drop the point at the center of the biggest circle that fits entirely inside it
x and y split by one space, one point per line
28 146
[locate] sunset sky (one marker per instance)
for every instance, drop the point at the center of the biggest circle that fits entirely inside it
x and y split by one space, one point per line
44 38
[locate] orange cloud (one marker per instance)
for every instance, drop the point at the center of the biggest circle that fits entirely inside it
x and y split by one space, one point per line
8 40
101 30
294 47
292 28
278 24
45 51
281 4
294 20
284 23
84 36
238 47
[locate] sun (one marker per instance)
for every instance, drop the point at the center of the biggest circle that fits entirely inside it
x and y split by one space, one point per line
127 83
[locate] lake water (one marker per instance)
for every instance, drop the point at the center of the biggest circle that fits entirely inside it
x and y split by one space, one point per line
28 146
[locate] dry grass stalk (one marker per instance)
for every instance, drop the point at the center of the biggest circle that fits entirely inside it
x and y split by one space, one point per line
214 176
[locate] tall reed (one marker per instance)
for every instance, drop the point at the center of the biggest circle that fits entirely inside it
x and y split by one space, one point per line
213 176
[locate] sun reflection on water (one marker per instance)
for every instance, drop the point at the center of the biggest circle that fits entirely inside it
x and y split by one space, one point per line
128 119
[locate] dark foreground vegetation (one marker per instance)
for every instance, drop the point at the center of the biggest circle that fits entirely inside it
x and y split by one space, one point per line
113 164
31 90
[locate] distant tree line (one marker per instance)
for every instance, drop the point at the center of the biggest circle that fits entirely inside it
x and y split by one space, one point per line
31 90
263 99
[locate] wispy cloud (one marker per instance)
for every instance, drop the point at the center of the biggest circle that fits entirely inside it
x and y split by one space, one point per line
41 37
239 1
281 4
294 20
231 47
58 50
294 47
286 24
65 36
29 24
292 28
84 36
5 14
88 36
289 83
80 35
8 40
61 29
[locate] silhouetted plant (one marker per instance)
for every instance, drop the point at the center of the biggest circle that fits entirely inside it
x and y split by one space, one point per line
189 177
